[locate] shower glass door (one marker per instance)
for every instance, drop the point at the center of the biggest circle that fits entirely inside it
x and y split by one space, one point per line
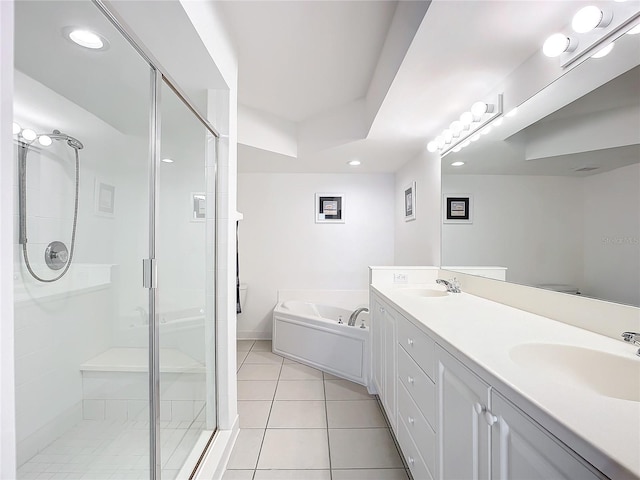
184 247
82 388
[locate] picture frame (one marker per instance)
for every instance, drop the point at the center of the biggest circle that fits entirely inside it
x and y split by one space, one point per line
329 208
198 206
104 199
409 194
457 208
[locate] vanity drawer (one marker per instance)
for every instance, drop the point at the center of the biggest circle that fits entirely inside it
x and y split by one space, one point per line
420 387
419 469
418 345
421 432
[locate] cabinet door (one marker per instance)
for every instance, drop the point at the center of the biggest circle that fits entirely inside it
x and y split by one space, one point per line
377 345
464 436
390 367
522 449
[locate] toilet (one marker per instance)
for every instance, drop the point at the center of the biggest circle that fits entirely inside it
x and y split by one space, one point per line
243 295
560 287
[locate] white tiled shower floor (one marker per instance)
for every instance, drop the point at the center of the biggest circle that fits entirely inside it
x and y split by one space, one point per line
109 449
298 423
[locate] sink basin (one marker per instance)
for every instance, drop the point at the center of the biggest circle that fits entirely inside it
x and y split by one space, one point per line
604 373
424 292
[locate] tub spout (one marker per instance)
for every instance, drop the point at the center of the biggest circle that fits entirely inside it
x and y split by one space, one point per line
354 315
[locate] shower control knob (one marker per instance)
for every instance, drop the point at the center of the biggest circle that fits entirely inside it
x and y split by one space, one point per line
56 255
62 256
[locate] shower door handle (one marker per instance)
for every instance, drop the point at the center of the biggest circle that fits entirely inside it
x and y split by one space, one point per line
149 273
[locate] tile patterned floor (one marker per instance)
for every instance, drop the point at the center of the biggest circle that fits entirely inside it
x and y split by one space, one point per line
298 423
110 449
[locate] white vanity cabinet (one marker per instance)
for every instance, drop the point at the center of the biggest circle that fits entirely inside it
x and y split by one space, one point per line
482 435
464 434
384 356
522 449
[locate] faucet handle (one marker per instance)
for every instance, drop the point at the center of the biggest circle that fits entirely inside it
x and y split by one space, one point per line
630 336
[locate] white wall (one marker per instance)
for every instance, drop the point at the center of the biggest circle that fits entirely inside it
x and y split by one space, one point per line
281 246
417 242
531 224
612 235
7 399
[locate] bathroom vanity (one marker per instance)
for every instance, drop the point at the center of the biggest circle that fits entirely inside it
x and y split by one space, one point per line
477 389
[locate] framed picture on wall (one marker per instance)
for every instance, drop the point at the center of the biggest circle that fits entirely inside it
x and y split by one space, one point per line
458 208
329 208
198 201
410 202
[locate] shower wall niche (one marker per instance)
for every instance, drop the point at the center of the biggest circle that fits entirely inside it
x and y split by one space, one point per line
88 343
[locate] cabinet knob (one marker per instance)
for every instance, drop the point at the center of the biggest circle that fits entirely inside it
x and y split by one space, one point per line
479 408
411 420
410 342
490 418
410 379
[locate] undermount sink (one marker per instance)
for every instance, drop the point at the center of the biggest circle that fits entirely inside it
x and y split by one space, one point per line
424 292
605 373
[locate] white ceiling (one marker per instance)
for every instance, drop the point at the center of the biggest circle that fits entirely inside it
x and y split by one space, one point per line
298 60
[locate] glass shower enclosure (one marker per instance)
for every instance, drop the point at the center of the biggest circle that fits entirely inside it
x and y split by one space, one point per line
114 261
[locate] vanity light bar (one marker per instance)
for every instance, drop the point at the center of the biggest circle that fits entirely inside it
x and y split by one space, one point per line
594 29
468 128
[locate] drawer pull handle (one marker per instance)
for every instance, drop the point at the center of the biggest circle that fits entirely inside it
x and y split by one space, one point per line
410 379
411 420
412 461
410 342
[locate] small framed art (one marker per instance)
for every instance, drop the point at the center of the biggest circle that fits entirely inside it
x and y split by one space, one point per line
329 208
104 199
410 202
458 208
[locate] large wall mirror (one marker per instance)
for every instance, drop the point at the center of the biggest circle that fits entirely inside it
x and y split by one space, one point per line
555 190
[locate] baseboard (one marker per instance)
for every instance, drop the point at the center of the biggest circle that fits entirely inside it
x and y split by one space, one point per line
252 335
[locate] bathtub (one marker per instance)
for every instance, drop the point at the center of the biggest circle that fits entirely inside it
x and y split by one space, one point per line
310 333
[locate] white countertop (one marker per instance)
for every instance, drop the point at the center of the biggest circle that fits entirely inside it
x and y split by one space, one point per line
602 429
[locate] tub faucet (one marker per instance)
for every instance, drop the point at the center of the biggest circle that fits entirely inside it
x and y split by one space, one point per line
452 285
632 337
354 315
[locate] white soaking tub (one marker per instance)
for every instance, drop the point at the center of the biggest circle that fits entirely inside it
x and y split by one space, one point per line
310 333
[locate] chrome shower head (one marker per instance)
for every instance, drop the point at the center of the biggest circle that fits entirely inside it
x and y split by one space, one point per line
71 141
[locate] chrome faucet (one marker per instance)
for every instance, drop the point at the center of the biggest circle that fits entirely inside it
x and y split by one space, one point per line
452 285
632 337
354 315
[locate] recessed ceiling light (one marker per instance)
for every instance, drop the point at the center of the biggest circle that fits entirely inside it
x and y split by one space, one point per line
85 38
457 164
354 163
167 160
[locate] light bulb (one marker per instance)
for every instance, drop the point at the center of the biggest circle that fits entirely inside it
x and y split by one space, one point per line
456 127
457 164
29 135
432 146
448 135
86 39
466 118
440 141
16 128
603 51
589 18
457 148
479 108
45 140
166 160
556 44
354 163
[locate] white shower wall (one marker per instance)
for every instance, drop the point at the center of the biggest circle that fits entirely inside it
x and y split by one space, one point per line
62 332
